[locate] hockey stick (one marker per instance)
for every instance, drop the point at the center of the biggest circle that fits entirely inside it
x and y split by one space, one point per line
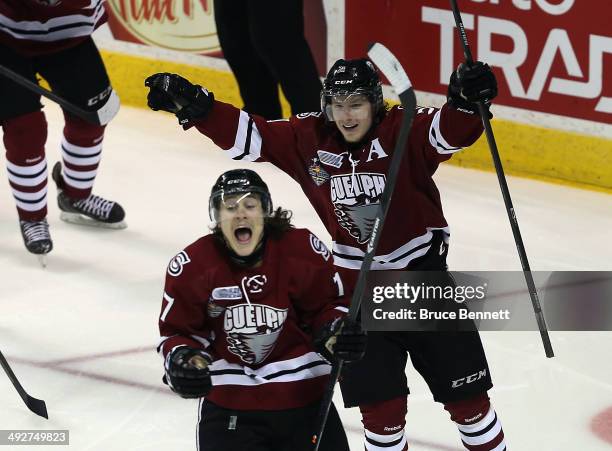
99 117
37 406
392 69
484 114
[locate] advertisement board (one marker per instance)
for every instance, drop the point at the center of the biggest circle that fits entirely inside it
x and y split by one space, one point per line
552 56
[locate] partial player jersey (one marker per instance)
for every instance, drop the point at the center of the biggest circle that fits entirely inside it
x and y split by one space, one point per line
345 185
256 323
35 27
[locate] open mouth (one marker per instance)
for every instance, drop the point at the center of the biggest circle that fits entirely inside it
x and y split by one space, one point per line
243 234
349 127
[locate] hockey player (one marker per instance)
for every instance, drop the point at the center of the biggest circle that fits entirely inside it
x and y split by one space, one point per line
340 156
53 38
244 310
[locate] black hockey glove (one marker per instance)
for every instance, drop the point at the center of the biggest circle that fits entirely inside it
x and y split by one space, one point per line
341 339
469 85
174 94
188 377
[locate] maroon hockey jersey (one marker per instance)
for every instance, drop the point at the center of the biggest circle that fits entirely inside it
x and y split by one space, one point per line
31 27
255 323
344 185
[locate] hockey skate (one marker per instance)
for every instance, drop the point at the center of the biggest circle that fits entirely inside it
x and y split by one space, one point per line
92 211
37 239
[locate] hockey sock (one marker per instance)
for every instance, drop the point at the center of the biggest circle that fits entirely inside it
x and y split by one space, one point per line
384 425
24 141
478 425
81 153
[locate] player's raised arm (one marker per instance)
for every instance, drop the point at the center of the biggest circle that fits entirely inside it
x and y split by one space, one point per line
244 136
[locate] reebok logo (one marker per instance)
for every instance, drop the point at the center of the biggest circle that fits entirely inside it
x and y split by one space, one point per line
473 419
392 428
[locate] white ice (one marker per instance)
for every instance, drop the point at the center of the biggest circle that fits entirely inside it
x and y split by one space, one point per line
81 333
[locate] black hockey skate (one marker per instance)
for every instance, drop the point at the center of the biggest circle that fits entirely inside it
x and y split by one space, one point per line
36 238
92 211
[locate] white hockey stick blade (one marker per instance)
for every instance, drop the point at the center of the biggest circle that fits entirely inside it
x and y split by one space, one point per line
390 67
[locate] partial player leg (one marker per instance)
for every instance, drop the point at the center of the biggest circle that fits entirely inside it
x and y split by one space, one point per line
478 425
455 367
298 433
258 87
384 424
82 141
378 385
24 140
25 134
221 429
277 30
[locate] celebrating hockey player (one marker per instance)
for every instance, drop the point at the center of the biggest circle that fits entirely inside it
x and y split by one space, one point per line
244 311
53 38
340 156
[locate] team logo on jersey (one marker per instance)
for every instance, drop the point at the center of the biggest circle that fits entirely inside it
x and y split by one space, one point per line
356 198
317 173
252 330
219 297
175 267
319 247
255 283
331 159
305 115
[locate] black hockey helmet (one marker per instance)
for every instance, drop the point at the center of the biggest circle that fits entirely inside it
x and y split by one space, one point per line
238 181
346 77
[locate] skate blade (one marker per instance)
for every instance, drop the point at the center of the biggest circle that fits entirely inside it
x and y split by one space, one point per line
76 218
42 260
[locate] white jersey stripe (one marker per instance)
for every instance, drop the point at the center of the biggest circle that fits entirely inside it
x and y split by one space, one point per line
436 139
56 28
352 257
247 145
306 366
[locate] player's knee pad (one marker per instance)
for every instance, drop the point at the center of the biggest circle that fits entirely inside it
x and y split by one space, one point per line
478 425
384 424
470 410
25 137
80 132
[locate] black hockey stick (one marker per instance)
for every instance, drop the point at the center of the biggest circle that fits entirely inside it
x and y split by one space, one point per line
37 406
99 117
392 69
484 114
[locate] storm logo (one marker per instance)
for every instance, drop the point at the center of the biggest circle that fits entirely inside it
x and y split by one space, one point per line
252 330
356 199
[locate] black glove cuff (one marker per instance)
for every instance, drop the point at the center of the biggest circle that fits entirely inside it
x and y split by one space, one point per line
201 104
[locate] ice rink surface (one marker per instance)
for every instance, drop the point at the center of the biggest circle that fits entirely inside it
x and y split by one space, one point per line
81 334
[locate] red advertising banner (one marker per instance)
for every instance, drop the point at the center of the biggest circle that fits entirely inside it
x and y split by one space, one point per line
553 56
